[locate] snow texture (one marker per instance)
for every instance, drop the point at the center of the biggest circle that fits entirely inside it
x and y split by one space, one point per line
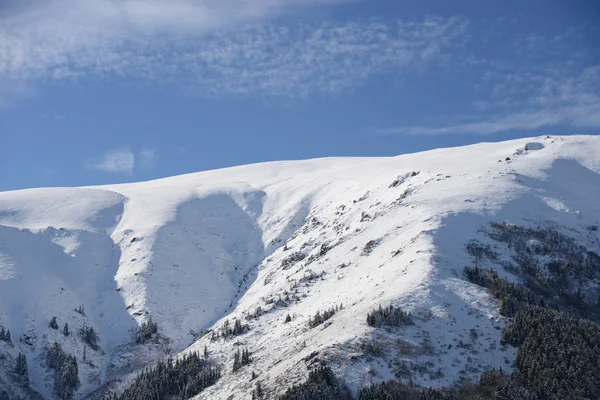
291 238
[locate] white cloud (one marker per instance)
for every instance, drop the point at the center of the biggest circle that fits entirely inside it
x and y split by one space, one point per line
556 99
536 81
118 161
210 47
148 157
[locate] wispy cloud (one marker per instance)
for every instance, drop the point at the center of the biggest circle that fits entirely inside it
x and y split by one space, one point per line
573 102
539 82
116 161
209 46
148 157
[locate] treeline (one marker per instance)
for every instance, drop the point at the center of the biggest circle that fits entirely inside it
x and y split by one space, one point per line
492 385
179 379
552 267
557 348
513 297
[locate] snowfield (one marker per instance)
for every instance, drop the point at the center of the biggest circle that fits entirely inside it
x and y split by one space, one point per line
291 238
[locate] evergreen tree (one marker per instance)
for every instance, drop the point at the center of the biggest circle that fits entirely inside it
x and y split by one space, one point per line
53 323
238 328
258 392
21 367
89 336
321 384
67 379
146 331
66 329
321 317
555 351
241 358
172 379
389 316
66 372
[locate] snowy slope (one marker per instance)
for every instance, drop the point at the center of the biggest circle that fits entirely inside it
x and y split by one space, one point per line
193 250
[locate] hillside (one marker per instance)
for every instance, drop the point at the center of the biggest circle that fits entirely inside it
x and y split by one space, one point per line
260 242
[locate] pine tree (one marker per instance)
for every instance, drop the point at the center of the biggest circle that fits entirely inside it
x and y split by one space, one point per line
89 336
66 372
67 379
80 310
288 319
182 378
66 329
236 361
241 358
21 366
205 352
258 392
53 323
146 331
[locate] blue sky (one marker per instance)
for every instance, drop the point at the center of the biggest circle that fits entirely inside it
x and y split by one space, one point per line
107 91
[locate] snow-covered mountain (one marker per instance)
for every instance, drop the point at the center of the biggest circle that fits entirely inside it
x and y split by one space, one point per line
260 242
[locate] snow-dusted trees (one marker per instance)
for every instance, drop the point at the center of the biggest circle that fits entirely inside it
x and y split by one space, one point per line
321 317
66 331
388 316
53 324
21 367
556 352
66 372
80 310
241 358
5 335
147 330
258 392
492 385
89 336
182 378
321 384
228 331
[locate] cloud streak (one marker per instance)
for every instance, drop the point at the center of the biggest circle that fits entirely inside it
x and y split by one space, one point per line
116 161
213 48
556 101
533 82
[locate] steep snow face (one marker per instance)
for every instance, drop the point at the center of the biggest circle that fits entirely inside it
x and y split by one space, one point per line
291 238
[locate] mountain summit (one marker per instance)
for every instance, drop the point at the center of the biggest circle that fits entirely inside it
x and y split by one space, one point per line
378 268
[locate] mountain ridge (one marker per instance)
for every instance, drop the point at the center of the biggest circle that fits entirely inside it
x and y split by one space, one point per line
193 250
